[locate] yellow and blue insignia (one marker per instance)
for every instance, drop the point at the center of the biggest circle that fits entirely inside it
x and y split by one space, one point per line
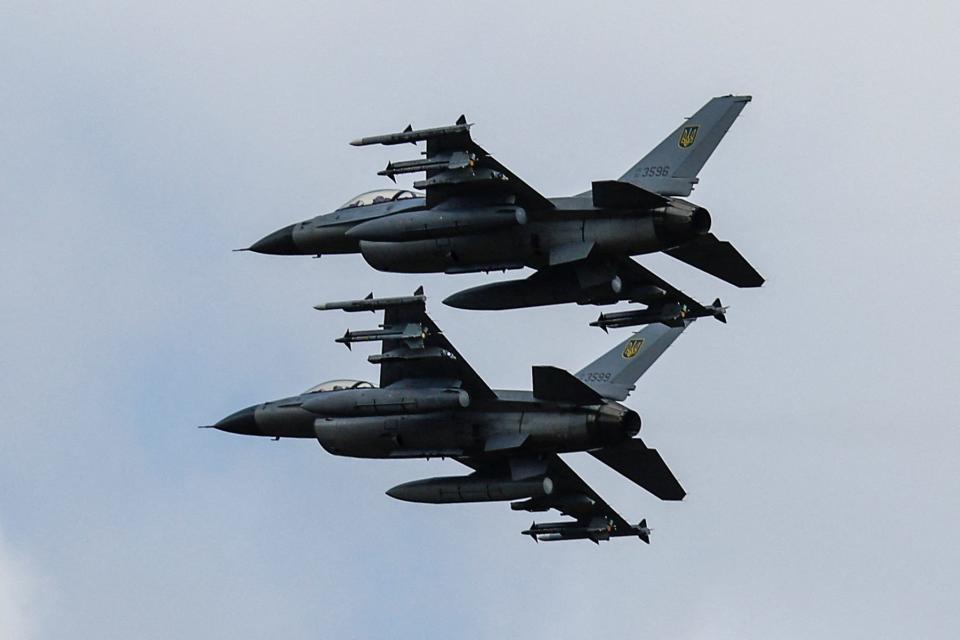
688 135
633 348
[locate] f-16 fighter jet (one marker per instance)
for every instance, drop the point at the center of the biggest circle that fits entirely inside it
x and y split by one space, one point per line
476 215
430 403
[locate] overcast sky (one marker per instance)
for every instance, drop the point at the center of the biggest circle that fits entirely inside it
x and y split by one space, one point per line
816 433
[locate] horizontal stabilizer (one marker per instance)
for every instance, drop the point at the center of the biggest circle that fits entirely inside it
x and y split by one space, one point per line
552 384
643 466
611 194
719 259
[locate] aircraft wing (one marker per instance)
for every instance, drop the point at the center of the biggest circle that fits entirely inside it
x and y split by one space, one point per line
457 167
593 518
414 350
567 484
635 275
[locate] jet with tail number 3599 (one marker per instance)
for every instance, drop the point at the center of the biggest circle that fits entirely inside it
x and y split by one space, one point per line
430 403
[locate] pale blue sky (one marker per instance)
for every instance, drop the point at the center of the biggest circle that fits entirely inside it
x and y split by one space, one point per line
815 434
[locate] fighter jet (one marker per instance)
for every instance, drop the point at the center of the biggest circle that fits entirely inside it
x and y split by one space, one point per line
476 215
430 403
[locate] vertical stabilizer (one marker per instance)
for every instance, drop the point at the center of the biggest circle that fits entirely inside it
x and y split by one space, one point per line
614 373
671 168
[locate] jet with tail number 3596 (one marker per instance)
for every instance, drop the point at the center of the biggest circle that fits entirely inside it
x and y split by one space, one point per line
474 214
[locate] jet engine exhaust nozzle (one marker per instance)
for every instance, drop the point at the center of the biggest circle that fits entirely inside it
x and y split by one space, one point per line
701 221
631 423
615 422
681 222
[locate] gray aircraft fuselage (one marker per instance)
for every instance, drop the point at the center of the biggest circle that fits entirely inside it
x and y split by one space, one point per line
433 422
475 215
403 236
432 404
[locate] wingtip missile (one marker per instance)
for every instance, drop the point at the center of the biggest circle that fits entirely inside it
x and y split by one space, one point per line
370 303
414 136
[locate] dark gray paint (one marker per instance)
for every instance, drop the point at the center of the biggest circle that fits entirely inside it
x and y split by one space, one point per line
432 404
478 216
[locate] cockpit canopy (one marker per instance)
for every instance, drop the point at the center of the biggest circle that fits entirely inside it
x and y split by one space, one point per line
339 385
378 196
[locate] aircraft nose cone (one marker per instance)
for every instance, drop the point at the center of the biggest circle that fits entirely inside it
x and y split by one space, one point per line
278 243
243 422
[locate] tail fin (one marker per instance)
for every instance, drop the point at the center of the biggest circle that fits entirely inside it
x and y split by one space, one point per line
614 373
671 168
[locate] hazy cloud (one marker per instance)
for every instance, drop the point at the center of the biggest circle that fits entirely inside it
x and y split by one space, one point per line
19 591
